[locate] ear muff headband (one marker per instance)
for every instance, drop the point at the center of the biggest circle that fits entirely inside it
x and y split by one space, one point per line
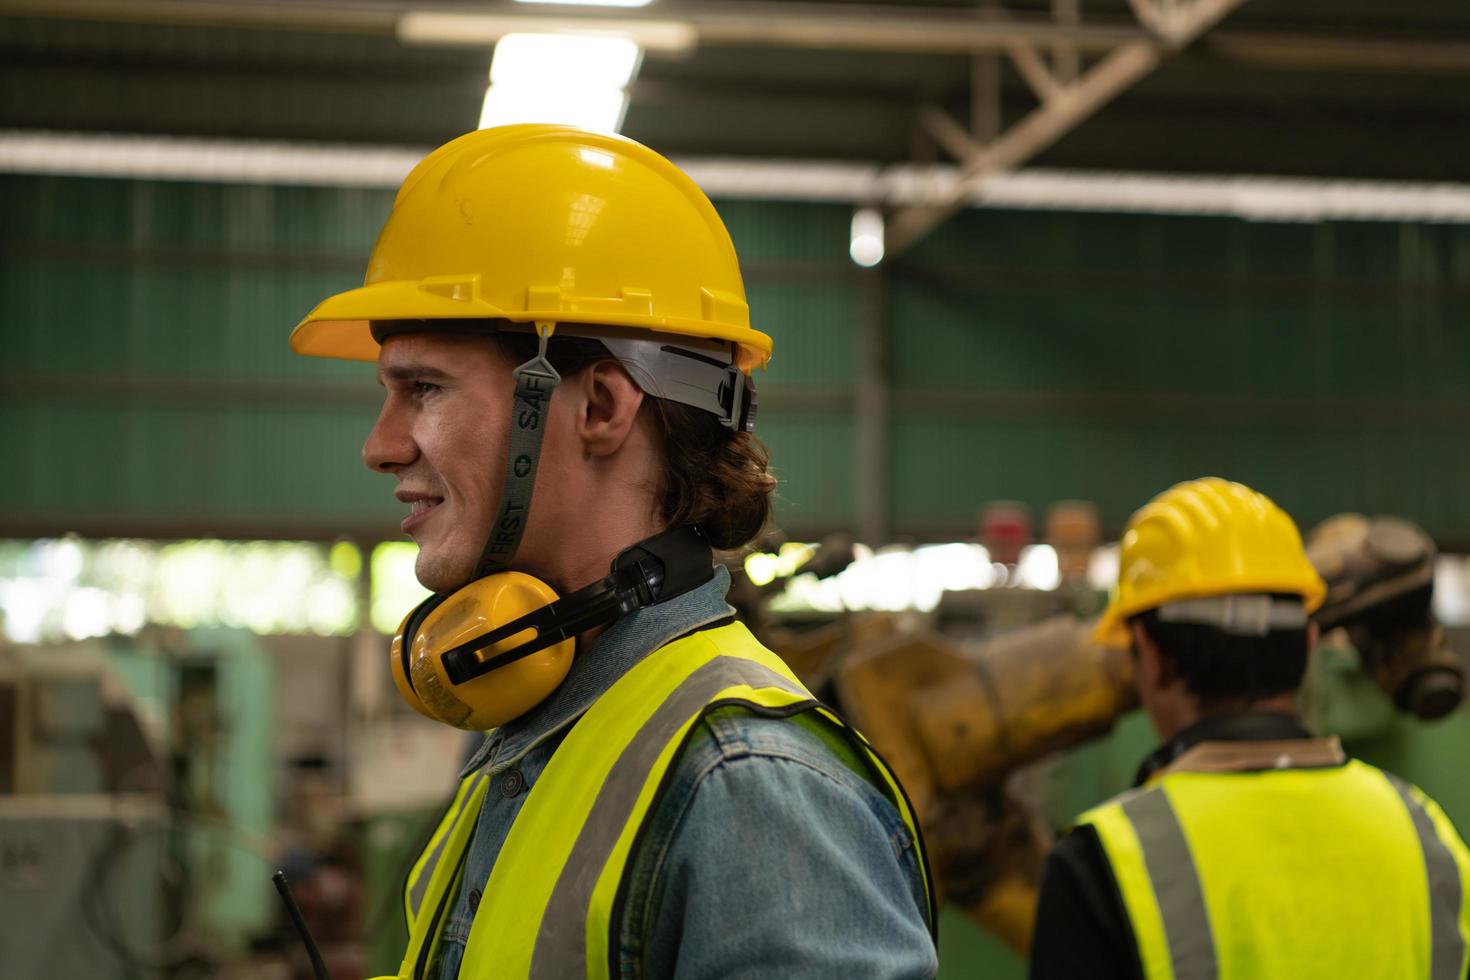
652 571
595 605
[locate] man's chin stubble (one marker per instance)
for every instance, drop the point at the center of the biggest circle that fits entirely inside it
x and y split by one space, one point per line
440 574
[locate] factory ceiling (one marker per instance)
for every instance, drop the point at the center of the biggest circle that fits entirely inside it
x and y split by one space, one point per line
1336 88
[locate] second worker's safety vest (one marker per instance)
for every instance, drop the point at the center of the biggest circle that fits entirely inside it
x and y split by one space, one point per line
1338 871
551 907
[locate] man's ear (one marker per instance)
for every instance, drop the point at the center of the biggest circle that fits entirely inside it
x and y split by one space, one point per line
608 408
1154 669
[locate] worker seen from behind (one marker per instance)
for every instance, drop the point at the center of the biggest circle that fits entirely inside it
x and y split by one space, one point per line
561 331
1248 849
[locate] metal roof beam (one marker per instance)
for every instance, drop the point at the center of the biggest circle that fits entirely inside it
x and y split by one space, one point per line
1252 198
763 23
750 23
1063 107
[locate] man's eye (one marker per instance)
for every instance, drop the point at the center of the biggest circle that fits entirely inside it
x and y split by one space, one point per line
424 388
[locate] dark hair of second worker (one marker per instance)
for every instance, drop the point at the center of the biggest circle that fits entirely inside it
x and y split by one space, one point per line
713 479
1222 668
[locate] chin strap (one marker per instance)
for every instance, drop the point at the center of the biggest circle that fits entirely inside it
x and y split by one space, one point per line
536 381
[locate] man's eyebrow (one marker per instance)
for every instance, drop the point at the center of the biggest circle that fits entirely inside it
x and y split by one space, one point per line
412 372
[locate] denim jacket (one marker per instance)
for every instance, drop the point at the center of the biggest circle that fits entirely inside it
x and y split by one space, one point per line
771 855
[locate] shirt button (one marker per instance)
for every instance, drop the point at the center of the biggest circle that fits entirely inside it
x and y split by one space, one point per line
511 784
474 900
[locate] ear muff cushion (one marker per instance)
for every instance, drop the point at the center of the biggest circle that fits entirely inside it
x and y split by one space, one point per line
403 647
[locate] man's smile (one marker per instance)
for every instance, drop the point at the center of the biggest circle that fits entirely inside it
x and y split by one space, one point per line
421 505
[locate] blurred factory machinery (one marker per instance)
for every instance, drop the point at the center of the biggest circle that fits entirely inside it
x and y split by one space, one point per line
136 796
143 785
962 722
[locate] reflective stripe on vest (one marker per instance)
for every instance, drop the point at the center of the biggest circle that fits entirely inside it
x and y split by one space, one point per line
551 906
1288 873
471 791
1446 888
432 881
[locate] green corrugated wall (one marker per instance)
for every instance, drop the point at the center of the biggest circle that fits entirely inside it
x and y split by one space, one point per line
1107 356
146 386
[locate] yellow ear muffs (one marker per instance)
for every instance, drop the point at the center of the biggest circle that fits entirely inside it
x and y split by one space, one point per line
441 624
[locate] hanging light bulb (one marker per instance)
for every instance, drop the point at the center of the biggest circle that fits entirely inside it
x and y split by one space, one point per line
866 245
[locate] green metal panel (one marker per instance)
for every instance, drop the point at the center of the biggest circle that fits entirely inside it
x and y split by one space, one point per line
1025 301
814 327
112 317
786 232
944 469
1033 356
1040 356
811 457
269 469
149 378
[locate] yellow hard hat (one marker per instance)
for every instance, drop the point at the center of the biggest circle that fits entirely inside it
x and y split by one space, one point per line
539 223
1205 538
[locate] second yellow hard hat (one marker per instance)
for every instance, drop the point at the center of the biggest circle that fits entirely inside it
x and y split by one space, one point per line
1203 538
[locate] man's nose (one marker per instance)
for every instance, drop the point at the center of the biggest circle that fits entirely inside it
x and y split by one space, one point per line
390 444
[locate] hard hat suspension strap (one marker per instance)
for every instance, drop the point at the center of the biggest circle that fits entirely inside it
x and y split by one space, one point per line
536 381
1241 615
705 378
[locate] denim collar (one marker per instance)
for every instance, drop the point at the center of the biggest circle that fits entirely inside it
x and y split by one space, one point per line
613 654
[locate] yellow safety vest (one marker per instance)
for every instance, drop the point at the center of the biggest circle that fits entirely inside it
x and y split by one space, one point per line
1334 872
551 906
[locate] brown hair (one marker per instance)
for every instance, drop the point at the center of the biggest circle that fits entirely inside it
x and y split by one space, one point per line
712 479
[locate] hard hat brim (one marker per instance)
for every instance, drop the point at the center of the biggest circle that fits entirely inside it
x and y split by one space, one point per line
1111 630
339 327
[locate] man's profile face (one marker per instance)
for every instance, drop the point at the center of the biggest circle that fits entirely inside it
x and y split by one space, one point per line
441 434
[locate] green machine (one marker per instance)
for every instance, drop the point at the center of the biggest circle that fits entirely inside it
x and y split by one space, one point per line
136 796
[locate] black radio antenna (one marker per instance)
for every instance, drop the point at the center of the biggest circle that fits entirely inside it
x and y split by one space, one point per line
292 909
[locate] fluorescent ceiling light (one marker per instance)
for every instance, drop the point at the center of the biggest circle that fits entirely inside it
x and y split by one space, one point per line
866 244
571 79
593 3
481 30
564 61
598 110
